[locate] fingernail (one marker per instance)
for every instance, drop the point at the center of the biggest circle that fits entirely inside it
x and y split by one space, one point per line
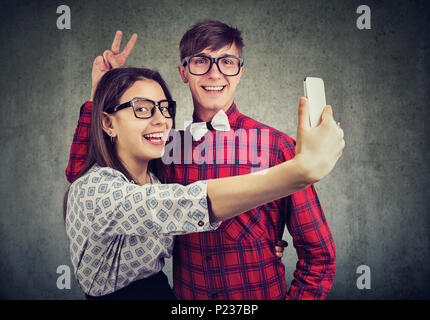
302 101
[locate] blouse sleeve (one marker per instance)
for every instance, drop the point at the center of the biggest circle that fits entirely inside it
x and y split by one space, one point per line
111 205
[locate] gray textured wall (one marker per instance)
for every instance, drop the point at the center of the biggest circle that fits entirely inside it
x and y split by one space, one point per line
376 200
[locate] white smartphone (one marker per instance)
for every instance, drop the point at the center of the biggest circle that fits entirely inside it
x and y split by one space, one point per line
315 93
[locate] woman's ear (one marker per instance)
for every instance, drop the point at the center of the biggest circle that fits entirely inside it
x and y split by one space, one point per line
181 70
108 126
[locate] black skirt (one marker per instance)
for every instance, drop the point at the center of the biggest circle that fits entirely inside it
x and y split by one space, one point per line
155 287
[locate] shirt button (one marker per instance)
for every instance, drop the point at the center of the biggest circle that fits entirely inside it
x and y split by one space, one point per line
208 258
201 223
214 295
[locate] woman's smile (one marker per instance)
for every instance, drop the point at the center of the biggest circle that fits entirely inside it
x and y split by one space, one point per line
156 138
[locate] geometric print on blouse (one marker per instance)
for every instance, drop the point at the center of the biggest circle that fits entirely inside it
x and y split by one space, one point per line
120 232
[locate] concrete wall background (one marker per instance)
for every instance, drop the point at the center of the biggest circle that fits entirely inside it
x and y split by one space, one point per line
376 200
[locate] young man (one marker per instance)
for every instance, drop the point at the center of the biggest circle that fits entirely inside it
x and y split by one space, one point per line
237 261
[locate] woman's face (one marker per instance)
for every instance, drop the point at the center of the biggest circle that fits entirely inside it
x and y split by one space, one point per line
132 135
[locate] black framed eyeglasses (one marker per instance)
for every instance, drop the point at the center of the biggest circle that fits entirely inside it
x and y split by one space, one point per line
145 108
200 64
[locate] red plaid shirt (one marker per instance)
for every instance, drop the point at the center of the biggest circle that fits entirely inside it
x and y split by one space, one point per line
238 261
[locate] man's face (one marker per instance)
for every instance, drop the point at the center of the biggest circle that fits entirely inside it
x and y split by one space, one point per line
212 91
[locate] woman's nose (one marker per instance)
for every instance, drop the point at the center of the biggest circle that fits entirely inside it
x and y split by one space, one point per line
158 117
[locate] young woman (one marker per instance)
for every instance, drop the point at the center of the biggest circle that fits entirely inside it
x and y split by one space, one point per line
121 220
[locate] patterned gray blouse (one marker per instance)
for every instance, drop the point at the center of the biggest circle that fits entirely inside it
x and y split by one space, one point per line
120 232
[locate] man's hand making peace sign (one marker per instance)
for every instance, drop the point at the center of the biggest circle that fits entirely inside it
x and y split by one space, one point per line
111 59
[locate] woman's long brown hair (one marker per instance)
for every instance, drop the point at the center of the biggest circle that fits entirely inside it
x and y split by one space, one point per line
101 151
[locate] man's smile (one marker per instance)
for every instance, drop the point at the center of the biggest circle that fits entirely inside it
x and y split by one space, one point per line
214 89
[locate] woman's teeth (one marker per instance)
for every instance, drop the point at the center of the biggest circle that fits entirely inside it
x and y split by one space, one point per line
154 136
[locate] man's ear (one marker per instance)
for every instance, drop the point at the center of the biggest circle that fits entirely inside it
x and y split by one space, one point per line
182 73
242 69
108 124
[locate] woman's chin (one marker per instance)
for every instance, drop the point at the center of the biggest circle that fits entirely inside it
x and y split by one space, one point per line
153 151
153 155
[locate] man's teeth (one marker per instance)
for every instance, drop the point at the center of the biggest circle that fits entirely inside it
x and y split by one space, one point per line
214 88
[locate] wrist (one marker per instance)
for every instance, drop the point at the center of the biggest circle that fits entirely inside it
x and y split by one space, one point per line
306 170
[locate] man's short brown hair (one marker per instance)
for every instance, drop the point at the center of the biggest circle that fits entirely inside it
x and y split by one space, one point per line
210 34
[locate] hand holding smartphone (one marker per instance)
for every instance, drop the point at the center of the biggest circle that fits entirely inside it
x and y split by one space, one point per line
322 143
315 94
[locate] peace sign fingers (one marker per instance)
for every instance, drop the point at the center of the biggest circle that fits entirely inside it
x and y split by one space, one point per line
111 59
113 56
130 45
116 42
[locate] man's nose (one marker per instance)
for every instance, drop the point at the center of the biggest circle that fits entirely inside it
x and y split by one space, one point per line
214 72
